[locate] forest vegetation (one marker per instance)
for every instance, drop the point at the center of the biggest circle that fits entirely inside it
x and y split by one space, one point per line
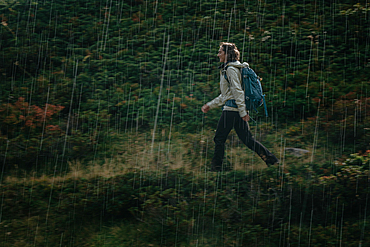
103 143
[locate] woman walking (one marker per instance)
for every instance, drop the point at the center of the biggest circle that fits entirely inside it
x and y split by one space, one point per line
233 117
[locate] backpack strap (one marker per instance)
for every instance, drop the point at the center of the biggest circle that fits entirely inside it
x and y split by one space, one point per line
227 79
225 75
264 104
230 102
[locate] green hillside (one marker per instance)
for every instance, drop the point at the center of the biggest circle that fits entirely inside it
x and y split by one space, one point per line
99 92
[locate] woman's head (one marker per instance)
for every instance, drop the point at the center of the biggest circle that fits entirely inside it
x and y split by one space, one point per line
228 52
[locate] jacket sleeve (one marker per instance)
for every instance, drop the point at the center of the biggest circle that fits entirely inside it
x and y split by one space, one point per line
216 102
236 89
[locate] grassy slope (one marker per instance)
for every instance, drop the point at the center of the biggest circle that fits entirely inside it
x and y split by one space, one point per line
57 220
67 206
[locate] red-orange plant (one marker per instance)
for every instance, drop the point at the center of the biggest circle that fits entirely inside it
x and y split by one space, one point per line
23 127
26 115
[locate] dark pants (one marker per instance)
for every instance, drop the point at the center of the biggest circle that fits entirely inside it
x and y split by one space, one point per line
229 120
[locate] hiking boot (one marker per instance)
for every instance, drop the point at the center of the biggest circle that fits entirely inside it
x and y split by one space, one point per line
272 160
216 166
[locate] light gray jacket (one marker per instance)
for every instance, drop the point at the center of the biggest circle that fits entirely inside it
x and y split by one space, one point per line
231 91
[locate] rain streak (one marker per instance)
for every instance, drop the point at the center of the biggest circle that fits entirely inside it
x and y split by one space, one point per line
115 119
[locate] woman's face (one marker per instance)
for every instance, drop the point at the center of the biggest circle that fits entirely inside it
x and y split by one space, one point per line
221 55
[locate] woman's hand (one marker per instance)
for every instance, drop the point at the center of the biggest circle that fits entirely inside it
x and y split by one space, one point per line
205 108
246 118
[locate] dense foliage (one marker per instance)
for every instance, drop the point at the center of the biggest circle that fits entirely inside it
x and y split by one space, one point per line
75 75
306 206
116 65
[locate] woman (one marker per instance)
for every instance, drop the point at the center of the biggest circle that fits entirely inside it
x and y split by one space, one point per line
232 117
